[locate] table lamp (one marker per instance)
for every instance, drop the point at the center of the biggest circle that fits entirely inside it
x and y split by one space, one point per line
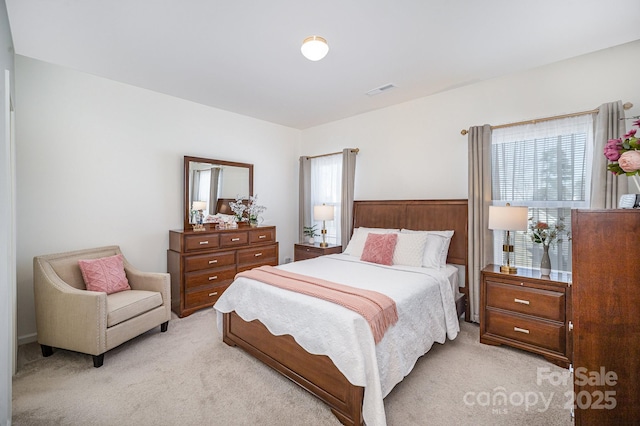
323 213
508 219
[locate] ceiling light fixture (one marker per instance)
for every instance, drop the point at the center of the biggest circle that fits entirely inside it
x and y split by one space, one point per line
314 48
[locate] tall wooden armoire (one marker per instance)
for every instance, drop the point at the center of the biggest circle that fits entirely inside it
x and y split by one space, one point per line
606 316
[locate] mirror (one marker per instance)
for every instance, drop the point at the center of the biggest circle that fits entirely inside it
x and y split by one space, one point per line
214 183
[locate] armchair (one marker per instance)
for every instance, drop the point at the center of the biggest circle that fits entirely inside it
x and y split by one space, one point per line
70 317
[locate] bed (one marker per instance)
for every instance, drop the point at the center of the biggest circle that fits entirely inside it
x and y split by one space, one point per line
331 349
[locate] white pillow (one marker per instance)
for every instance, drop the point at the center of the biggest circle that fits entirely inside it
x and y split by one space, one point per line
410 249
436 247
356 244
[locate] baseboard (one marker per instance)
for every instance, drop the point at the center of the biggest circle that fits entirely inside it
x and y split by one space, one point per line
28 338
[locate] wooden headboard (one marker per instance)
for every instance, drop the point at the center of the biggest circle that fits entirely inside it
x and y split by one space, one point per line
424 215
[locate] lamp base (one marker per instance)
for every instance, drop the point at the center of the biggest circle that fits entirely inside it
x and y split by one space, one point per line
508 269
323 244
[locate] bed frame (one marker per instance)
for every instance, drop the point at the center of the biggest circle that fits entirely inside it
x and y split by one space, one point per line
317 373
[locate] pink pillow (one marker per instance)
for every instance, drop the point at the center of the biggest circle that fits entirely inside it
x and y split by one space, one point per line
105 274
379 248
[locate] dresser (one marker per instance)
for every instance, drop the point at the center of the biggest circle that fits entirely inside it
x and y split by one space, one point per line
606 316
304 251
527 311
203 264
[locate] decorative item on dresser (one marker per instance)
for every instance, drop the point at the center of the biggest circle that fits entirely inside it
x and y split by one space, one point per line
203 264
304 251
606 330
527 311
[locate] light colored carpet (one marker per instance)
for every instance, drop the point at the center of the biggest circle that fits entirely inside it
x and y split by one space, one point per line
187 376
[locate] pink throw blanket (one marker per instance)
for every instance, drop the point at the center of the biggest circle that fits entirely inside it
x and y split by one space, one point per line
379 310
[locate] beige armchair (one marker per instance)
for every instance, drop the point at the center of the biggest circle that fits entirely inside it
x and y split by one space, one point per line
70 317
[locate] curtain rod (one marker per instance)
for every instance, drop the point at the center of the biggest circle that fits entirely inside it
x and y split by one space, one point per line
356 150
627 105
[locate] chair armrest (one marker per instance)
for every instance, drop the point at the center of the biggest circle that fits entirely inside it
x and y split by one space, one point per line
151 281
67 317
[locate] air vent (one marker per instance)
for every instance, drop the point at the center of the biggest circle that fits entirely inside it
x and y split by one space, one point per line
381 89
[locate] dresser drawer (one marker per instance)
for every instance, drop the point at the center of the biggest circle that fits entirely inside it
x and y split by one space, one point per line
539 333
234 239
201 242
250 258
526 300
207 261
261 236
204 297
210 277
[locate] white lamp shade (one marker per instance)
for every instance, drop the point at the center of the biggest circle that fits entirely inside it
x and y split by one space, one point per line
323 212
199 205
508 218
314 48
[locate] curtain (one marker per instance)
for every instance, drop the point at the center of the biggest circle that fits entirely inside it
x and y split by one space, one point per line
195 187
326 188
304 213
480 237
606 187
348 185
213 189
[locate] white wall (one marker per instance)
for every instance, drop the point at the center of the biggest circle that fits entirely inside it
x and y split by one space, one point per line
100 162
415 150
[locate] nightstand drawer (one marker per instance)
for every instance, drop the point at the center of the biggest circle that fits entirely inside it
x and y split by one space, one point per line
526 300
542 334
308 251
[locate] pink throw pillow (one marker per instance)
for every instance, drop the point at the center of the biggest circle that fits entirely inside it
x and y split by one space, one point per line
379 248
105 274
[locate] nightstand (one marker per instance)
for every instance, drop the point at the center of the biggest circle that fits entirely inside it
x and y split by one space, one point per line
527 311
304 251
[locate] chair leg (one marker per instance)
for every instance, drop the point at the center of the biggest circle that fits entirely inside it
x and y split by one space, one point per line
46 350
98 360
164 326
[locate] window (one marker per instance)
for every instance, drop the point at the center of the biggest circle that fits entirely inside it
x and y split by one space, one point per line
546 167
326 188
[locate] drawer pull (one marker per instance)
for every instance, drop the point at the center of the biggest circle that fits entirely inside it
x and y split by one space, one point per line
213 261
235 239
215 293
258 254
213 278
262 236
521 330
524 302
203 242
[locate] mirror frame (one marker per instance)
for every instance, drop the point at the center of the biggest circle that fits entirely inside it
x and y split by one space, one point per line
187 160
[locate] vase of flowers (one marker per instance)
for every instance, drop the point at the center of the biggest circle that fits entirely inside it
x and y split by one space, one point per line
547 235
238 208
624 153
254 210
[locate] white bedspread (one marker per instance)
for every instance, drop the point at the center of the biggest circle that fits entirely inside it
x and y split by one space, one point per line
426 311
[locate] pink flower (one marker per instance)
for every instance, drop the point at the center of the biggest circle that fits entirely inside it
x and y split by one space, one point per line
612 149
636 123
630 161
631 133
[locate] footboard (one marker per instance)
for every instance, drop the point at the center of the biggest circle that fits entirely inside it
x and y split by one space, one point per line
315 373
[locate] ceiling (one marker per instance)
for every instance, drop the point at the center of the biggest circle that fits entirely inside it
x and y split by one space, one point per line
244 55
